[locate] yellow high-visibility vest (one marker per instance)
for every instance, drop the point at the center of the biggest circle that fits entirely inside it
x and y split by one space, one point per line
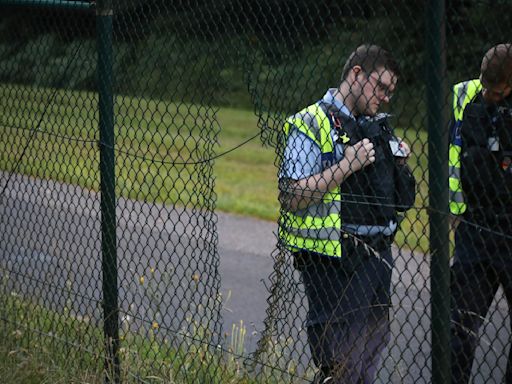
463 94
316 228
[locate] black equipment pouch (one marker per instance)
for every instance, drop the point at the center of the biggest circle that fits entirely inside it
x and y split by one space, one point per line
355 252
405 192
477 128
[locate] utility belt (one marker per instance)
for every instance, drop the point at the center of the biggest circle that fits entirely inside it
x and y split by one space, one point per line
356 250
379 242
378 237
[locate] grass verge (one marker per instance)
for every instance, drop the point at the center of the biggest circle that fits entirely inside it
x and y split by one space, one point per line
40 346
154 139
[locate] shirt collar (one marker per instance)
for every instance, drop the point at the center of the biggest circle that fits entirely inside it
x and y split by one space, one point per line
329 98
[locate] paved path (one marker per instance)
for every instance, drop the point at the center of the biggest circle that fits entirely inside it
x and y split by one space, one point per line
50 242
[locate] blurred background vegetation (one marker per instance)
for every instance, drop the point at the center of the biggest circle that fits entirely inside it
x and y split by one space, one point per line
248 49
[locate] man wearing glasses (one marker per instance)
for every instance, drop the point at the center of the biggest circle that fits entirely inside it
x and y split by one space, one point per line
343 180
481 199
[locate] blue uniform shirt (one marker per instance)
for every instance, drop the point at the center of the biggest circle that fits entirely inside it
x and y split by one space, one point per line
302 156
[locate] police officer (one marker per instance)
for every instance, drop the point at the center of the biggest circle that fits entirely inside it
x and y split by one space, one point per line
481 194
342 181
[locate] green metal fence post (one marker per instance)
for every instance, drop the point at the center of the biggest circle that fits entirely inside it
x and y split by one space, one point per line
55 4
438 191
104 14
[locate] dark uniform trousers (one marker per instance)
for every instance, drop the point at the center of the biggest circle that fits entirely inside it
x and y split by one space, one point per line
348 320
483 262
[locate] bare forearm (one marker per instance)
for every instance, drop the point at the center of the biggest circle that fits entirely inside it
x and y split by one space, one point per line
310 190
298 194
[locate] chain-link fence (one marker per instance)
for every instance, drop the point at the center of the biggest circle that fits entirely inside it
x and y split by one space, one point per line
126 124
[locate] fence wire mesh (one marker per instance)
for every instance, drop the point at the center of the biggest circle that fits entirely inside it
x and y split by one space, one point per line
209 116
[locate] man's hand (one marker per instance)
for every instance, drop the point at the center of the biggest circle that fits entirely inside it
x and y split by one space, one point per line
301 193
360 154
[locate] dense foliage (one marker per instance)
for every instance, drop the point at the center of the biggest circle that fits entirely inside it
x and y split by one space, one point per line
255 39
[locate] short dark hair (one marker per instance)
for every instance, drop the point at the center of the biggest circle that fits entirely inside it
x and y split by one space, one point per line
496 65
370 58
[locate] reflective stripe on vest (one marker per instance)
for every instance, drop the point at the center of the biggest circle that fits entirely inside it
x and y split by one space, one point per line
463 94
316 228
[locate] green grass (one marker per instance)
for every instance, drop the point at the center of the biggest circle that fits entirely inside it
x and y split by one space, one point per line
162 135
414 232
245 179
39 345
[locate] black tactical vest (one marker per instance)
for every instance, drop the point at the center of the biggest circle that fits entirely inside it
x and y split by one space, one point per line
368 195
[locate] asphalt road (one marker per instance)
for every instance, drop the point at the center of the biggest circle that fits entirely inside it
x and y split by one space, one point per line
170 274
